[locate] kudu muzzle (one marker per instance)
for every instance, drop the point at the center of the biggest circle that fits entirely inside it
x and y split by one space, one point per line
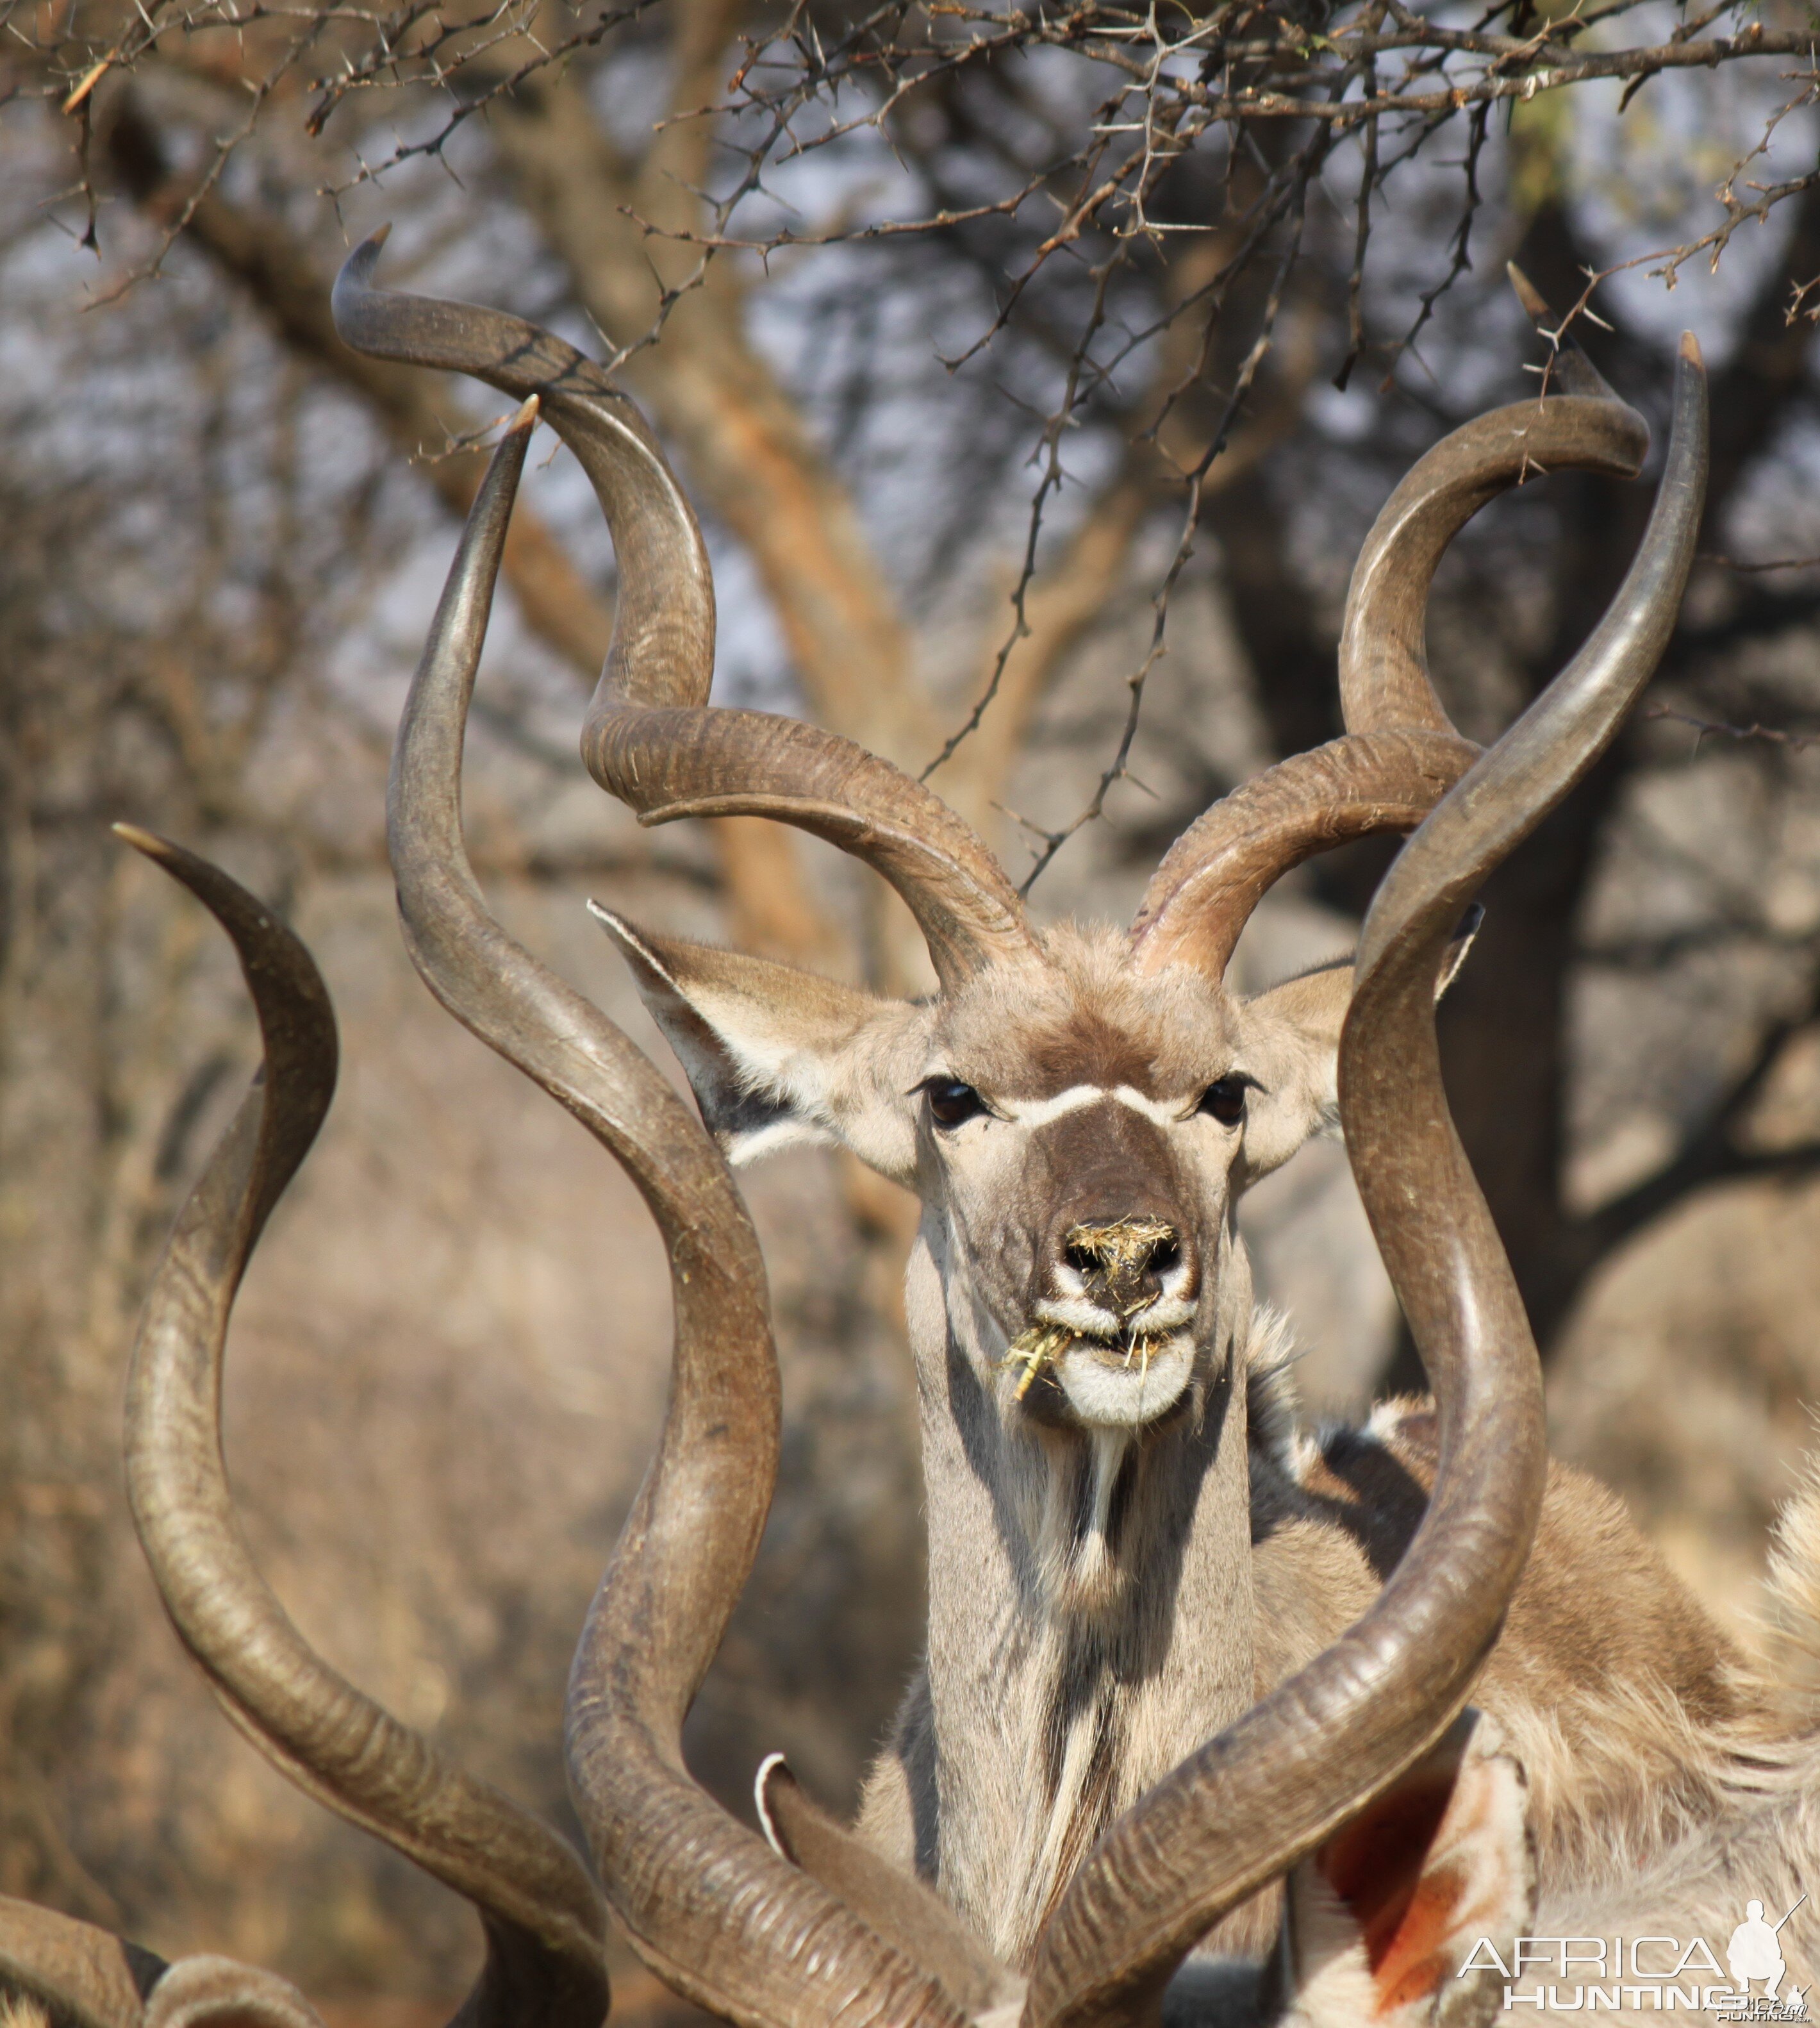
1118 1257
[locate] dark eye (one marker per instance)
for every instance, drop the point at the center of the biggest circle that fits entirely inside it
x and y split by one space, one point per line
951 1102
1224 1100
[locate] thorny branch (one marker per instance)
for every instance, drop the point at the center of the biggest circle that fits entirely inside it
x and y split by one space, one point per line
1174 86
1073 187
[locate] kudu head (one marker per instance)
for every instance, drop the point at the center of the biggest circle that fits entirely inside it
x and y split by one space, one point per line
1028 1034
1078 1111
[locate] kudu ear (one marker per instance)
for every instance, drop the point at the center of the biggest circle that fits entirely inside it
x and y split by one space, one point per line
907 1915
1409 1916
1293 1048
775 1056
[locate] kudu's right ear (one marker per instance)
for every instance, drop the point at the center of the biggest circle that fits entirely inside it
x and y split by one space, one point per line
1297 1027
776 1056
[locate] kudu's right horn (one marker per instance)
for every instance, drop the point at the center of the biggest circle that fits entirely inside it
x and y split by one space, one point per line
651 737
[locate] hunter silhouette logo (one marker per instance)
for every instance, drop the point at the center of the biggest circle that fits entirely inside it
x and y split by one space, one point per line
1662 1974
1754 1953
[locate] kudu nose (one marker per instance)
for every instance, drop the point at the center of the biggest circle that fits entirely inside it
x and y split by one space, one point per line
1122 1262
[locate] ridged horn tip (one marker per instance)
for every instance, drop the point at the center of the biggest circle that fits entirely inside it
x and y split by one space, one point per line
1690 351
526 417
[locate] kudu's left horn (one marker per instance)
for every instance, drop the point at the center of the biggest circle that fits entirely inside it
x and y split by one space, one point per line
545 1927
1400 753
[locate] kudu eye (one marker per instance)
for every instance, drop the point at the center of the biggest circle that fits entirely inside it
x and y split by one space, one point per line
951 1102
1224 1100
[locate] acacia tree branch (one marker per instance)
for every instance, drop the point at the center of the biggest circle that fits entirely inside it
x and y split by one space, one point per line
1051 614
768 905
1056 609
1714 728
257 251
1769 368
750 458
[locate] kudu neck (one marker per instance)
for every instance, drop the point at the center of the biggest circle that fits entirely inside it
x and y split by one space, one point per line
1069 1610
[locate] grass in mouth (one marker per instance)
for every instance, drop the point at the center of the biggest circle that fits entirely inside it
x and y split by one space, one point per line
1042 1345
1119 1249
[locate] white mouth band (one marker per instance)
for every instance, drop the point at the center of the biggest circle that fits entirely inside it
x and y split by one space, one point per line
1108 1393
1086 1319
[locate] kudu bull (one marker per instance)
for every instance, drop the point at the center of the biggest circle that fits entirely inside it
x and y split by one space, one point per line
1255 1648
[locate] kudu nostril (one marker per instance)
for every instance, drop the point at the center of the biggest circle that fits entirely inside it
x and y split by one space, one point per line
1082 1258
1124 1255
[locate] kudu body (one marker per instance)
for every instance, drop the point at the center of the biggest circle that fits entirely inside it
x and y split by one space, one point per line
1145 1589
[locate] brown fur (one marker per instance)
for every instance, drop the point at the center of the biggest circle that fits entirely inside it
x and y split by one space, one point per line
1602 1643
1088 1018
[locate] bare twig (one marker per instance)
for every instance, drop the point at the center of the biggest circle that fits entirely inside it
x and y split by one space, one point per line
1705 728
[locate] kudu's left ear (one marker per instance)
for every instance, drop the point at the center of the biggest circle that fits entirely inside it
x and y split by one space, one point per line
1293 1047
774 1056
